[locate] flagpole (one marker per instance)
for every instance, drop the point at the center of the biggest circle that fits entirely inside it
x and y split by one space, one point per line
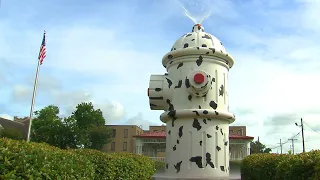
33 100
42 55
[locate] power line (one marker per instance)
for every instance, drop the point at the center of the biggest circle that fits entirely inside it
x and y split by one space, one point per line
292 141
301 125
311 127
286 141
312 139
292 137
280 146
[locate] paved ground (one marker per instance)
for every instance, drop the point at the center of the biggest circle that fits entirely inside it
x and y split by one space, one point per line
235 176
234 173
232 176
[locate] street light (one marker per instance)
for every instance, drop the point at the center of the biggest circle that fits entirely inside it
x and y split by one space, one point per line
301 125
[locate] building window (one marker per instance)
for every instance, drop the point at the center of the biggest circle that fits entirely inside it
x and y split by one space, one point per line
239 132
113 146
161 150
155 130
114 133
125 146
126 133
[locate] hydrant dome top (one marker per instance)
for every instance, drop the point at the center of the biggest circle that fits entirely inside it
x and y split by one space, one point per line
198 42
198 38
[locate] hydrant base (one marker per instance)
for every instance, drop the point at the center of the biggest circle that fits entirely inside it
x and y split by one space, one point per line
164 176
200 178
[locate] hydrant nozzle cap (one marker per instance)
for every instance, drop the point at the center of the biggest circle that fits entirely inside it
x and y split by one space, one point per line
197 28
198 78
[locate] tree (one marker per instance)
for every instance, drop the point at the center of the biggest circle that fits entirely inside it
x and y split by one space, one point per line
99 135
290 151
91 125
48 127
84 128
85 116
258 147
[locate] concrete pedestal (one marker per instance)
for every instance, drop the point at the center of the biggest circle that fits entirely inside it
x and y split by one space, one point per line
163 176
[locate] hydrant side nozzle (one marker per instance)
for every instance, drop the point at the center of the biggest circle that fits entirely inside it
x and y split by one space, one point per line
158 92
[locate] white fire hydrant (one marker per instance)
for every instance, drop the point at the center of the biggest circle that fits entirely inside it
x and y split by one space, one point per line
194 96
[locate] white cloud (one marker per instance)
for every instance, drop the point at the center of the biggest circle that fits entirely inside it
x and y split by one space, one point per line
278 78
112 111
21 93
139 120
6 116
275 72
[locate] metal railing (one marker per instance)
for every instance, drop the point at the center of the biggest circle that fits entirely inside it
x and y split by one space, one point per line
235 159
162 159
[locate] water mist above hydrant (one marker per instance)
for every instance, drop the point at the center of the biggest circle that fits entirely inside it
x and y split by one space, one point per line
194 96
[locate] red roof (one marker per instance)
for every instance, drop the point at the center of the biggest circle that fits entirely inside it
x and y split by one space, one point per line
162 134
240 137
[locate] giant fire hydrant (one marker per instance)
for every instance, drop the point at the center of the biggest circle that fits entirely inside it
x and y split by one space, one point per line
194 96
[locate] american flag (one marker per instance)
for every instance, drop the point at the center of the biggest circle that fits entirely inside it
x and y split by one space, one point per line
42 53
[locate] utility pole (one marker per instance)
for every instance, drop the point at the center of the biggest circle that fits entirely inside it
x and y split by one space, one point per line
292 141
301 125
280 146
258 145
304 150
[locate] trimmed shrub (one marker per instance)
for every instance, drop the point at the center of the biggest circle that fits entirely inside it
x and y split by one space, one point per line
260 166
119 165
299 167
160 166
317 169
304 166
21 160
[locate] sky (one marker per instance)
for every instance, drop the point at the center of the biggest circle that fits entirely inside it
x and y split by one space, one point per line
105 51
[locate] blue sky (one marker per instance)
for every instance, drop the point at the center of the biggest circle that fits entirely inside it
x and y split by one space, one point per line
105 52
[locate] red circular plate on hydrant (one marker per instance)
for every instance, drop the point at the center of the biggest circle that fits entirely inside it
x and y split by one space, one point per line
198 78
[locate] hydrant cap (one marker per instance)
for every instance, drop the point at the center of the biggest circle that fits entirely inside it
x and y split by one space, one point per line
198 78
198 42
198 38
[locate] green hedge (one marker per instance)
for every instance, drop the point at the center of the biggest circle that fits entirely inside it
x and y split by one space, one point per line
304 166
119 165
21 160
160 166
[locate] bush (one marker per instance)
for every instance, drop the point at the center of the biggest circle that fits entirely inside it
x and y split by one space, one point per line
160 165
304 166
21 160
119 165
301 166
317 169
260 166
